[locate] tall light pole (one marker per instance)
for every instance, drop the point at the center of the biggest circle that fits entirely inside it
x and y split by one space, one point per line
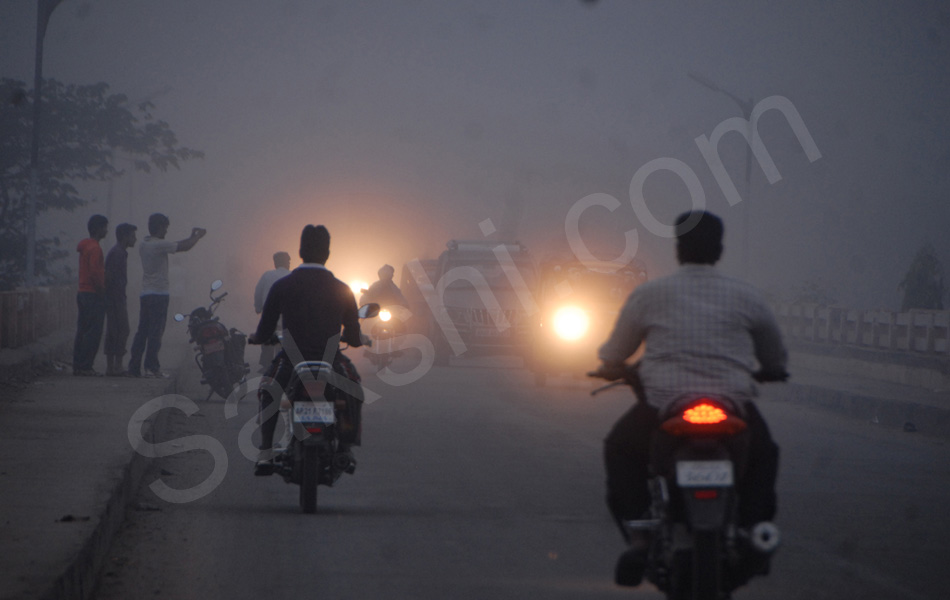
746 107
44 9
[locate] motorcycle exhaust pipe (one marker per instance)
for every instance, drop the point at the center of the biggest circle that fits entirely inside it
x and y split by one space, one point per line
343 462
765 537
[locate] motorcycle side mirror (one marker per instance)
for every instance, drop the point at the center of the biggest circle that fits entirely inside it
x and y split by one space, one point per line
216 285
179 317
368 311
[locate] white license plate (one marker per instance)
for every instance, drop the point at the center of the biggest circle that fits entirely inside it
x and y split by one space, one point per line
313 412
704 473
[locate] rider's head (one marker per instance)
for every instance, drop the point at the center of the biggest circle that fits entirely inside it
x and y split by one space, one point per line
698 238
386 273
281 259
315 244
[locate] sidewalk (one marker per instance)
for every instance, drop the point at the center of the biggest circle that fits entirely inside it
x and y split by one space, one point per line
68 470
890 405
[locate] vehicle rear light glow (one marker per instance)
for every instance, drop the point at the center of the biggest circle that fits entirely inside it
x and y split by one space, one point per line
313 429
704 414
705 417
705 494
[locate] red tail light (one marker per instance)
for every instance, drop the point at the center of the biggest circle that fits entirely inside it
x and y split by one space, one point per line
704 417
704 414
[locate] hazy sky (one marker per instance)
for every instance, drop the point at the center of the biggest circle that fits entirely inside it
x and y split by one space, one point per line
402 124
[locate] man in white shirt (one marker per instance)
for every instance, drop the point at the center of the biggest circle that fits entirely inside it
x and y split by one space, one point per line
281 269
702 332
153 302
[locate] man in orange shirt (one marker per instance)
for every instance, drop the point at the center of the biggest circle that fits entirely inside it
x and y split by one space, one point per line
91 297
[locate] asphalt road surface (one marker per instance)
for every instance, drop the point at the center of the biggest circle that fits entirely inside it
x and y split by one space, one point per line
473 483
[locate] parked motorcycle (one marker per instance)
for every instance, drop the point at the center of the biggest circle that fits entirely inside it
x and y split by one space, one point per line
219 351
318 397
698 460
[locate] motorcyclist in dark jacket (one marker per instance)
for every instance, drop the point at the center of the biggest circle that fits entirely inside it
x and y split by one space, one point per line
314 305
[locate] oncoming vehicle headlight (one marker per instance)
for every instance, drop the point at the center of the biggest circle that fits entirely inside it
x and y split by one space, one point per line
385 315
358 286
570 323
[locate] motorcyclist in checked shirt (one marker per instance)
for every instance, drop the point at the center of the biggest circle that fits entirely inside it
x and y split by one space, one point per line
701 331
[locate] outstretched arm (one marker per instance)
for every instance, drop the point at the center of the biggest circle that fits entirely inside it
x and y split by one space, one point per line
188 243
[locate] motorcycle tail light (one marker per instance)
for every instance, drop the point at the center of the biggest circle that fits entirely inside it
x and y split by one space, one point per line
704 416
705 494
313 429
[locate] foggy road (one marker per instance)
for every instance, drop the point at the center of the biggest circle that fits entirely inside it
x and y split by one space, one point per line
473 483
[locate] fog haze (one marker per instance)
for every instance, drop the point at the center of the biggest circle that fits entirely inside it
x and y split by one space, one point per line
401 125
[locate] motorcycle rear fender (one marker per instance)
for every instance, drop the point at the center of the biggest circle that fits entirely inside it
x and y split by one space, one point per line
309 438
705 513
710 508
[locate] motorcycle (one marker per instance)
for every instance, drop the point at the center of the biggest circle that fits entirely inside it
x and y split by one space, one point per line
318 409
219 351
387 325
698 460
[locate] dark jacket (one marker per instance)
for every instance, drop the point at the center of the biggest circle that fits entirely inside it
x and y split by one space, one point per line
314 305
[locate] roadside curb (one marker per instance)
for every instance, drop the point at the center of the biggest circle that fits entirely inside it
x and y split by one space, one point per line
81 577
908 415
26 363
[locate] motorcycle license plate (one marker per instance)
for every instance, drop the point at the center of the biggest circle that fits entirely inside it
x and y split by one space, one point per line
214 346
704 473
313 412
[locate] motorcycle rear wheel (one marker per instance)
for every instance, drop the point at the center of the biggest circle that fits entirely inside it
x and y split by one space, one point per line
707 563
219 383
310 475
696 574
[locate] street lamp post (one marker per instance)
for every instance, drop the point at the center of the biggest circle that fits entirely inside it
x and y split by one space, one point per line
44 9
746 107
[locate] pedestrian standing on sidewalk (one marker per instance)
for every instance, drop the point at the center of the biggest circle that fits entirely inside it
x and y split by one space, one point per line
281 269
153 303
90 297
117 310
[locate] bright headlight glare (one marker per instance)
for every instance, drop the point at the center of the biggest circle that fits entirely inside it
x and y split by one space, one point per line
385 315
358 286
570 322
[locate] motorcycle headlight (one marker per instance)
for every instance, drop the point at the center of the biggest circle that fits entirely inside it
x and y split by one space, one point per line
385 315
570 323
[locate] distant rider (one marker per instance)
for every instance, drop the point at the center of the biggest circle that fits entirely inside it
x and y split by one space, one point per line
281 269
384 292
314 305
702 332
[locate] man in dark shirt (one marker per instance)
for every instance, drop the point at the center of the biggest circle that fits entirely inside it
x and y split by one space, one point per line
314 305
117 310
